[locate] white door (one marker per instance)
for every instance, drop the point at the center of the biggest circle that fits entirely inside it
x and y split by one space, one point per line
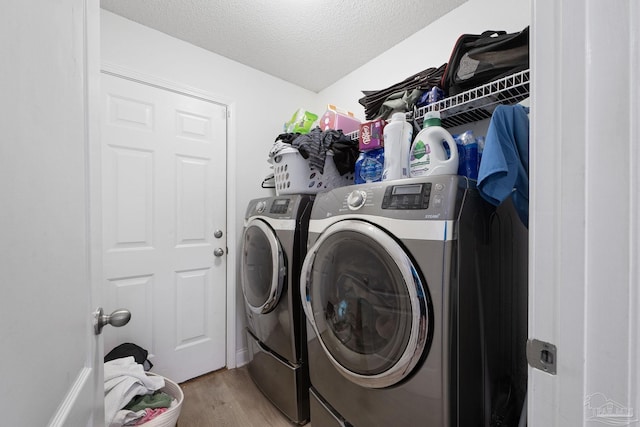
164 224
47 345
585 228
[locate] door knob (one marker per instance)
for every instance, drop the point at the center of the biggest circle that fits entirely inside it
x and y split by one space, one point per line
218 252
217 234
118 318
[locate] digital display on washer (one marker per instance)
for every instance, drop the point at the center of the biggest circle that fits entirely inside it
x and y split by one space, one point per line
280 206
407 189
407 196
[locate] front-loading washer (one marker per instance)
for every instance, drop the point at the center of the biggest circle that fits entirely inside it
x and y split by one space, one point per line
272 250
400 289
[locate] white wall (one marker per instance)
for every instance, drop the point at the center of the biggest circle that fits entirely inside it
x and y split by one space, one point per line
429 47
260 105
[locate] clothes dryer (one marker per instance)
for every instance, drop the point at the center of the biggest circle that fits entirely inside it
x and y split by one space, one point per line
399 287
273 248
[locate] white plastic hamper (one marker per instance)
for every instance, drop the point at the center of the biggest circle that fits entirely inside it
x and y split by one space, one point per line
294 175
170 417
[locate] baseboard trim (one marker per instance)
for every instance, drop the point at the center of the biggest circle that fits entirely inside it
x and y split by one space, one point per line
242 357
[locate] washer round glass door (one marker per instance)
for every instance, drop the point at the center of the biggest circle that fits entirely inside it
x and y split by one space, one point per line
366 302
262 270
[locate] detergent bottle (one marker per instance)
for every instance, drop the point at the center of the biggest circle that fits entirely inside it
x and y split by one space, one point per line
428 154
397 143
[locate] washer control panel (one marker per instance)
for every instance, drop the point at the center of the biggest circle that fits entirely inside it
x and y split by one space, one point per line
279 206
425 198
407 196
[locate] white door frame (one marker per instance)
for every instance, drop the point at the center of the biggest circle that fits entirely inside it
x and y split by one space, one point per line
585 204
154 81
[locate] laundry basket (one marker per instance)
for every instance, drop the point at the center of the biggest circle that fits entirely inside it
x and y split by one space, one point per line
170 417
294 175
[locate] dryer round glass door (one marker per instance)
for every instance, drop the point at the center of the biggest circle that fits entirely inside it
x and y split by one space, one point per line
366 303
262 267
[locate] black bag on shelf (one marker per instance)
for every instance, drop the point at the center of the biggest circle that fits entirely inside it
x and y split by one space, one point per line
479 59
401 96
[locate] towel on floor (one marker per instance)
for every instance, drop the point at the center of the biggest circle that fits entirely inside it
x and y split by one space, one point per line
123 380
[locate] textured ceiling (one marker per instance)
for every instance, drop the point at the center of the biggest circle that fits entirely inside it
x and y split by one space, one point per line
311 43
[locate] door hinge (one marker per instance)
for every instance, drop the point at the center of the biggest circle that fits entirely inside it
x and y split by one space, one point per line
542 355
228 114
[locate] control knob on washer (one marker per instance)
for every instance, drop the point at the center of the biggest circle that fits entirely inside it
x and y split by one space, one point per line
261 206
356 199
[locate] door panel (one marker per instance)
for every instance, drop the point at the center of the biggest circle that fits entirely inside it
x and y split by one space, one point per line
192 310
47 189
135 294
131 189
191 221
164 163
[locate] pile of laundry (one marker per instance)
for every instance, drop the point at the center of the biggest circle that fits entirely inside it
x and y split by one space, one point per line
131 397
314 146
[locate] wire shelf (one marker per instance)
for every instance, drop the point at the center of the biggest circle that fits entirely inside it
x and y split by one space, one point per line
475 104
479 103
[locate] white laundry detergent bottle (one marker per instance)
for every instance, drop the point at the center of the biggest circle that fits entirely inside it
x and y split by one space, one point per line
397 143
428 154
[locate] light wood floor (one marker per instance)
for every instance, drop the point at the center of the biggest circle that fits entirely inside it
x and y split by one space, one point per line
228 398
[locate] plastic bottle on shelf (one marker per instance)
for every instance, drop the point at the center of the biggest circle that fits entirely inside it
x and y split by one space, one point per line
397 142
369 166
428 153
469 156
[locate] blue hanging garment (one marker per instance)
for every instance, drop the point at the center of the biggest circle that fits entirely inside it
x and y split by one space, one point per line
504 170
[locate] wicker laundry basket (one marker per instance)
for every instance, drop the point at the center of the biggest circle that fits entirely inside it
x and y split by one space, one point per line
170 417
